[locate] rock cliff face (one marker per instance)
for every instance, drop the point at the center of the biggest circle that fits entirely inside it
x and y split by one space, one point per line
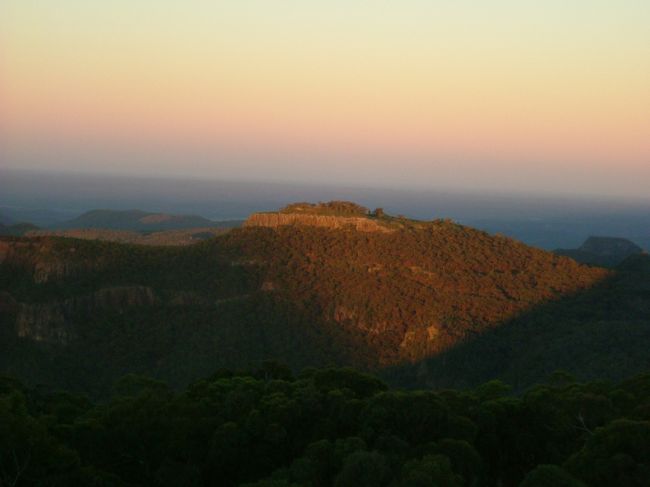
40 258
52 321
5 248
273 220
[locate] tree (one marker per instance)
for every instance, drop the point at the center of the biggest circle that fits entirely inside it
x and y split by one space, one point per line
617 454
550 476
363 469
430 470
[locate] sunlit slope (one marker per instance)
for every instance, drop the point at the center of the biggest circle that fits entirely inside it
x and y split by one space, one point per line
302 293
600 333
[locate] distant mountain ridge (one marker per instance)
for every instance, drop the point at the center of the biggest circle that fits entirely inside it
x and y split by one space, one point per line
185 236
17 229
6 220
138 220
602 251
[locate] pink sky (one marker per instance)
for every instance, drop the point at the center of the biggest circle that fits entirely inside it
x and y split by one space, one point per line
536 97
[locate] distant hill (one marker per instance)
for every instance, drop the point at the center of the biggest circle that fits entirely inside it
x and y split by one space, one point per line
6 219
186 236
41 217
362 289
602 251
17 229
137 220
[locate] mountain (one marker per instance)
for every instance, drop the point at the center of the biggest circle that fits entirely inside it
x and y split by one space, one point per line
17 229
187 236
41 217
137 220
6 219
602 251
325 284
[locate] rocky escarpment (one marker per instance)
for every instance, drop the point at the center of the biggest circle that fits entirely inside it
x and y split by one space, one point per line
41 259
273 220
53 321
56 321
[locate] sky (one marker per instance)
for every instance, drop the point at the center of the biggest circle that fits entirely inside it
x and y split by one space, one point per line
504 95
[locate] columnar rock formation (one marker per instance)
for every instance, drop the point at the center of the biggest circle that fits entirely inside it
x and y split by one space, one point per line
329 221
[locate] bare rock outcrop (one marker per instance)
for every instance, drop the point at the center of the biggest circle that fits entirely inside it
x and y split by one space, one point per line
39 257
43 322
52 321
274 220
5 248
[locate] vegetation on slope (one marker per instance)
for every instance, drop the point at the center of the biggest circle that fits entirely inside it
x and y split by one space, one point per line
413 292
307 295
602 332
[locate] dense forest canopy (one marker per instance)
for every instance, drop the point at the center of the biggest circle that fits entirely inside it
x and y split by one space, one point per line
322 427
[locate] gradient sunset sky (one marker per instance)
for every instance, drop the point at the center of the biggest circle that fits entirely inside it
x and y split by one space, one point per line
504 95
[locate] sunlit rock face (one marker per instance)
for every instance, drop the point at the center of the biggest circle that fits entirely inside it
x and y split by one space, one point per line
273 220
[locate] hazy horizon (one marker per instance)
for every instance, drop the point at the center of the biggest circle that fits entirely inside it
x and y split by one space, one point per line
114 186
547 221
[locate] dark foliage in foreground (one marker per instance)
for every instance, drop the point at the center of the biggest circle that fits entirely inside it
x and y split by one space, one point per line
327 427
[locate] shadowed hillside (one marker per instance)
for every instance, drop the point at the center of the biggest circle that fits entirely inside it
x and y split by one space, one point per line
83 312
600 333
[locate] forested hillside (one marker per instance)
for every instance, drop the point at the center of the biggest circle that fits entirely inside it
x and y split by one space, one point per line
602 332
322 427
80 313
